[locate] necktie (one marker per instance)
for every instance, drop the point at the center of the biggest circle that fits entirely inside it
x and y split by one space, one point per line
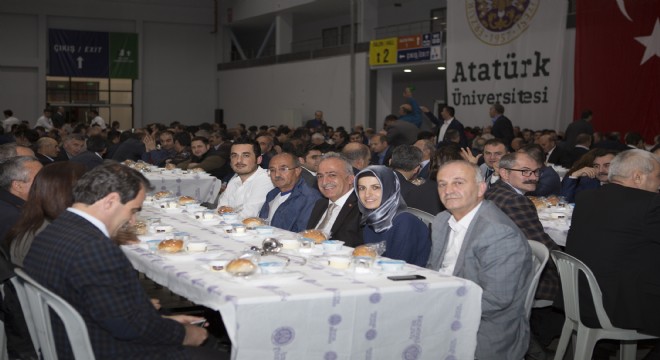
328 215
489 172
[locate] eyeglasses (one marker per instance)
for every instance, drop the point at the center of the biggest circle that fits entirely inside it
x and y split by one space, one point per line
527 172
281 170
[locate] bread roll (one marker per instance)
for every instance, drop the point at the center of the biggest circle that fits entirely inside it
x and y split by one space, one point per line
186 200
253 221
241 267
162 194
225 209
173 245
364 250
317 235
170 166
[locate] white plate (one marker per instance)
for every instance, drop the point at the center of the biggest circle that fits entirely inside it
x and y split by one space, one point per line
259 279
173 210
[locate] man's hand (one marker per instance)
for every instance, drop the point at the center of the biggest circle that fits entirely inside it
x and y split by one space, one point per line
466 154
424 109
195 335
149 143
586 171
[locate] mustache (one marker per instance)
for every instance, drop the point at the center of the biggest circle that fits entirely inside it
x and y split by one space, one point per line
603 174
530 182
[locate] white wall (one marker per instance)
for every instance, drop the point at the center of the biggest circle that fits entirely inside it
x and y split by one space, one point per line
177 53
290 93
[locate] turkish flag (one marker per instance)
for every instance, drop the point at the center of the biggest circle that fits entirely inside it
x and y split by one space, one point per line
617 65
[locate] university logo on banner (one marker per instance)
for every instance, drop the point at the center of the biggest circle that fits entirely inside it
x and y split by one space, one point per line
617 64
507 52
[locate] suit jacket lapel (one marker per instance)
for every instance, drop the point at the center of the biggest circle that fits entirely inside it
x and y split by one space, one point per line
349 205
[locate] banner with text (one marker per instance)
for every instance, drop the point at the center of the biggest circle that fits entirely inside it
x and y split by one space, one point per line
506 52
92 54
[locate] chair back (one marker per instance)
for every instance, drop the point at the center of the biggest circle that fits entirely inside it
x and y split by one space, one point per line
569 269
40 301
27 313
540 255
422 215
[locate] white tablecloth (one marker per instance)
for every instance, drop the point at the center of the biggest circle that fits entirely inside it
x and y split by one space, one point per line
201 186
556 221
314 311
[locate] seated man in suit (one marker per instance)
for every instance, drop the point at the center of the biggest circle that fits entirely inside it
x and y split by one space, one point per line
72 145
614 231
548 182
519 174
420 194
93 156
428 150
47 150
475 240
582 145
553 153
358 155
289 205
309 161
337 214
75 258
381 150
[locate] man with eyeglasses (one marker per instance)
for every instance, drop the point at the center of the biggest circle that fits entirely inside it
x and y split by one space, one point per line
247 189
337 214
289 205
519 173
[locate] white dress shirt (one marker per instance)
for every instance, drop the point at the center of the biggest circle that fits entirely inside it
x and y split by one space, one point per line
47 123
96 222
248 196
339 204
443 129
457 232
275 203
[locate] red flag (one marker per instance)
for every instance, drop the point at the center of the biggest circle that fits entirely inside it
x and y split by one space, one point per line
617 64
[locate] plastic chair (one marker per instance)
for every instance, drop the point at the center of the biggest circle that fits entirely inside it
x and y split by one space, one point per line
3 336
422 215
540 255
569 268
39 301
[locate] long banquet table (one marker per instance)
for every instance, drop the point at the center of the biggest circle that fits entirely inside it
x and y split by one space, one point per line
201 186
314 311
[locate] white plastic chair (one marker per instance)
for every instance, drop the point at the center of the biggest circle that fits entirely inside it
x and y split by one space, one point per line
3 336
27 314
540 255
39 301
569 268
422 215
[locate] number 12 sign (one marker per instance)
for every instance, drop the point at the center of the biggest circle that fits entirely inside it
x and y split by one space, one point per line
383 51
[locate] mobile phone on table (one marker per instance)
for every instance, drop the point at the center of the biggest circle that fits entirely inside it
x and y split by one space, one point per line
406 277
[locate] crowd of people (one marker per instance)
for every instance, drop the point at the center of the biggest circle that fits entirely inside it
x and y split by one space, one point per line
63 204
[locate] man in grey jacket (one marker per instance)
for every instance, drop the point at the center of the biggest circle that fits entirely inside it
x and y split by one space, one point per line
473 239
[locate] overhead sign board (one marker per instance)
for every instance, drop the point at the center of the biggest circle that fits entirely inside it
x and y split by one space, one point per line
409 48
92 54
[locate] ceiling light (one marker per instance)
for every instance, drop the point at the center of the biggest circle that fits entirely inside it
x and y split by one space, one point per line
407 70
441 68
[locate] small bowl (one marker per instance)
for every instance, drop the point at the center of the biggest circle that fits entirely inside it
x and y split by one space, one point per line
153 244
291 244
179 235
272 266
391 265
176 210
218 265
332 245
229 217
196 246
239 229
339 262
264 229
162 229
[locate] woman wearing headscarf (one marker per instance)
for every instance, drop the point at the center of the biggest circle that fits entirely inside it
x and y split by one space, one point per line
382 206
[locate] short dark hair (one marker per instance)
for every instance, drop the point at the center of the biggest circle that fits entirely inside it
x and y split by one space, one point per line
255 145
107 178
535 151
8 112
183 138
586 114
450 110
495 142
633 138
96 143
499 108
200 138
406 157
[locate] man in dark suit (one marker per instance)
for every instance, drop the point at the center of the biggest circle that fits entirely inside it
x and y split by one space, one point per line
582 145
614 231
75 258
428 150
358 155
422 194
381 150
93 156
553 153
519 174
448 123
72 145
309 161
502 126
59 118
581 126
47 150
337 214
475 240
